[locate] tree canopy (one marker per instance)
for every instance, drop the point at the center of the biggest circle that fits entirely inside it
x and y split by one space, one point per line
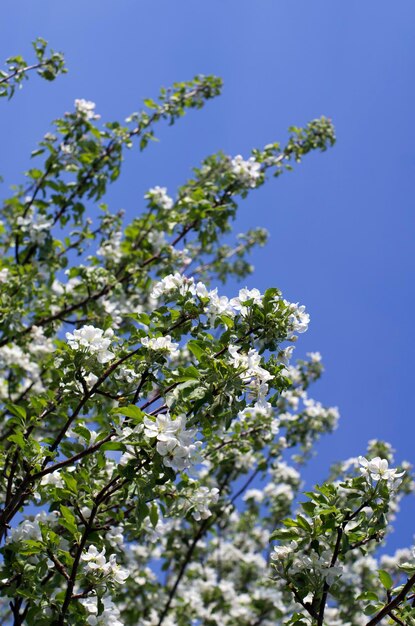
153 429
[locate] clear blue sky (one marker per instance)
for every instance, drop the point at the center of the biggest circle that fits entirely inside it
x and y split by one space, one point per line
342 226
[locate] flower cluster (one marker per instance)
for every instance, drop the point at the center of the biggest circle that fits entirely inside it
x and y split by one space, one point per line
280 553
177 283
111 248
4 275
252 373
86 109
36 227
200 500
158 196
109 615
12 356
378 469
30 528
299 319
214 305
161 344
317 564
92 340
174 443
97 564
253 296
54 479
247 172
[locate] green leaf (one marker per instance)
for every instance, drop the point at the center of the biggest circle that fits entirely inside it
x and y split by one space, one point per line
70 482
302 523
130 411
154 515
68 520
190 373
368 595
197 348
385 579
113 445
18 439
17 410
370 609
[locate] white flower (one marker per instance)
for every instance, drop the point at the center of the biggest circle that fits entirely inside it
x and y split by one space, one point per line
36 227
286 354
248 172
201 500
67 148
95 560
252 373
320 565
245 295
93 340
299 319
282 552
162 344
218 305
117 573
174 443
110 614
39 344
4 274
30 529
256 495
115 536
126 374
162 427
377 469
53 479
111 248
86 109
171 283
158 195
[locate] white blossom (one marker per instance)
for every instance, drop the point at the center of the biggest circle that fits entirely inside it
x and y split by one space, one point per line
247 172
54 479
246 295
109 616
218 305
377 469
36 227
158 195
115 536
111 248
284 551
174 443
86 109
39 344
162 344
126 374
299 319
92 340
201 499
96 562
171 283
30 528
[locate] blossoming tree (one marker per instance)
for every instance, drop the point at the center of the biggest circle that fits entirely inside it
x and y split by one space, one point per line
152 428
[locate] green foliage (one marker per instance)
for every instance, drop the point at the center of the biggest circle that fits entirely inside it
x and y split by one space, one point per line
48 65
147 418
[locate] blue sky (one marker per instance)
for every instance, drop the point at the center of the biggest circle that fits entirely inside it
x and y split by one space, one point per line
342 225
